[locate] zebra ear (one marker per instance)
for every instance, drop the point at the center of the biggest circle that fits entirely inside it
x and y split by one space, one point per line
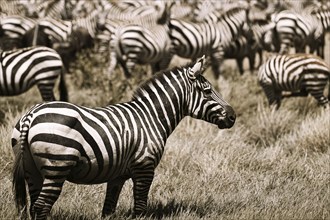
197 68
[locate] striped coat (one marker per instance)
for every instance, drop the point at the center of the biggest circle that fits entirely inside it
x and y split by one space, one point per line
21 69
299 74
62 141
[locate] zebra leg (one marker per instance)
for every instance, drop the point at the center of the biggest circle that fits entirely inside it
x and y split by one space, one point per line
46 91
112 195
274 96
252 58
50 192
317 93
142 181
215 67
239 61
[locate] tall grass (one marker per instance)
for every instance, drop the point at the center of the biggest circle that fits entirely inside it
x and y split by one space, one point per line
270 165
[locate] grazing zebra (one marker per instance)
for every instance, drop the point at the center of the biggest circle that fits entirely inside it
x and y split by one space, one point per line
23 68
300 74
60 141
191 40
295 29
142 44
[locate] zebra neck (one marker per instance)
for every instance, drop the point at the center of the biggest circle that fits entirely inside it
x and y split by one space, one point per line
163 112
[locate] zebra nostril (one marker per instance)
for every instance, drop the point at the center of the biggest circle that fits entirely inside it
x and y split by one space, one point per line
232 118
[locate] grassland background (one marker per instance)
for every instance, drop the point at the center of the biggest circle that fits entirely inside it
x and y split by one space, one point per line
270 165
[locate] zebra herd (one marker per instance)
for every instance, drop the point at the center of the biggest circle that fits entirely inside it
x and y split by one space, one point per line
57 141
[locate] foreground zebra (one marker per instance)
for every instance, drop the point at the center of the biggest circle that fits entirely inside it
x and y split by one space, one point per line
23 68
60 141
300 74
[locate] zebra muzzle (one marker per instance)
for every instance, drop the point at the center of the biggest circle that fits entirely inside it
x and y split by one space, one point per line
228 120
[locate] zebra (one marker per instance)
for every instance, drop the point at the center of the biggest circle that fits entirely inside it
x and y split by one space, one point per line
300 74
113 18
191 40
109 144
149 43
23 68
17 7
323 15
295 29
66 37
14 27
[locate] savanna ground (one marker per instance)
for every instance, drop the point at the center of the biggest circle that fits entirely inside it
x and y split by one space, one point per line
270 165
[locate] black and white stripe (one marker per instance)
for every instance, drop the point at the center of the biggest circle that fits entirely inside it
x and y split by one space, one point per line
323 15
300 74
147 43
14 28
21 69
191 40
293 29
60 141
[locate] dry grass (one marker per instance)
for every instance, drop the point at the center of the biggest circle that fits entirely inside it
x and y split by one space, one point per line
270 165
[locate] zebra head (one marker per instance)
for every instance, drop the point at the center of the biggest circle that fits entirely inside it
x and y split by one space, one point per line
204 102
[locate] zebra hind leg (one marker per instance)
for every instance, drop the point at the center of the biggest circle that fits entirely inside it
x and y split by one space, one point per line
318 95
113 190
50 192
46 91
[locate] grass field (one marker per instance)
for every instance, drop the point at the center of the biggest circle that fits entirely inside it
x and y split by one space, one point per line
270 165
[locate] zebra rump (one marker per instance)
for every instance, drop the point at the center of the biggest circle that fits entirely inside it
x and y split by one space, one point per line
21 69
299 74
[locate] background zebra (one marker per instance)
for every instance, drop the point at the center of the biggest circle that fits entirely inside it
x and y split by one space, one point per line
14 28
23 68
300 74
62 141
145 43
295 29
192 40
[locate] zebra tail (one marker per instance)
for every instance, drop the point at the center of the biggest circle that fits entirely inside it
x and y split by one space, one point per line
18 182
62 86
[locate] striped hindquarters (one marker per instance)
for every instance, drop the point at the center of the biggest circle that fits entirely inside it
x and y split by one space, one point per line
24 68
301 74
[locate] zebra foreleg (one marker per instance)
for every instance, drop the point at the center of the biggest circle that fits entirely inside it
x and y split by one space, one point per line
239 61
141 186
113 190
216 67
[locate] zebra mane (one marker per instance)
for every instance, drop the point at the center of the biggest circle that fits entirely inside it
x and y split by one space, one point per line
140 91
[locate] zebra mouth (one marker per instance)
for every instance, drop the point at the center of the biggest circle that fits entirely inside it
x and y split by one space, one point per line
225 122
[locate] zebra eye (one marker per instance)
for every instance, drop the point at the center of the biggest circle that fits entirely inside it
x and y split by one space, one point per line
207 88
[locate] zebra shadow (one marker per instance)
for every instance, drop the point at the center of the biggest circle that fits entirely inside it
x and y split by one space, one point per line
173 208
